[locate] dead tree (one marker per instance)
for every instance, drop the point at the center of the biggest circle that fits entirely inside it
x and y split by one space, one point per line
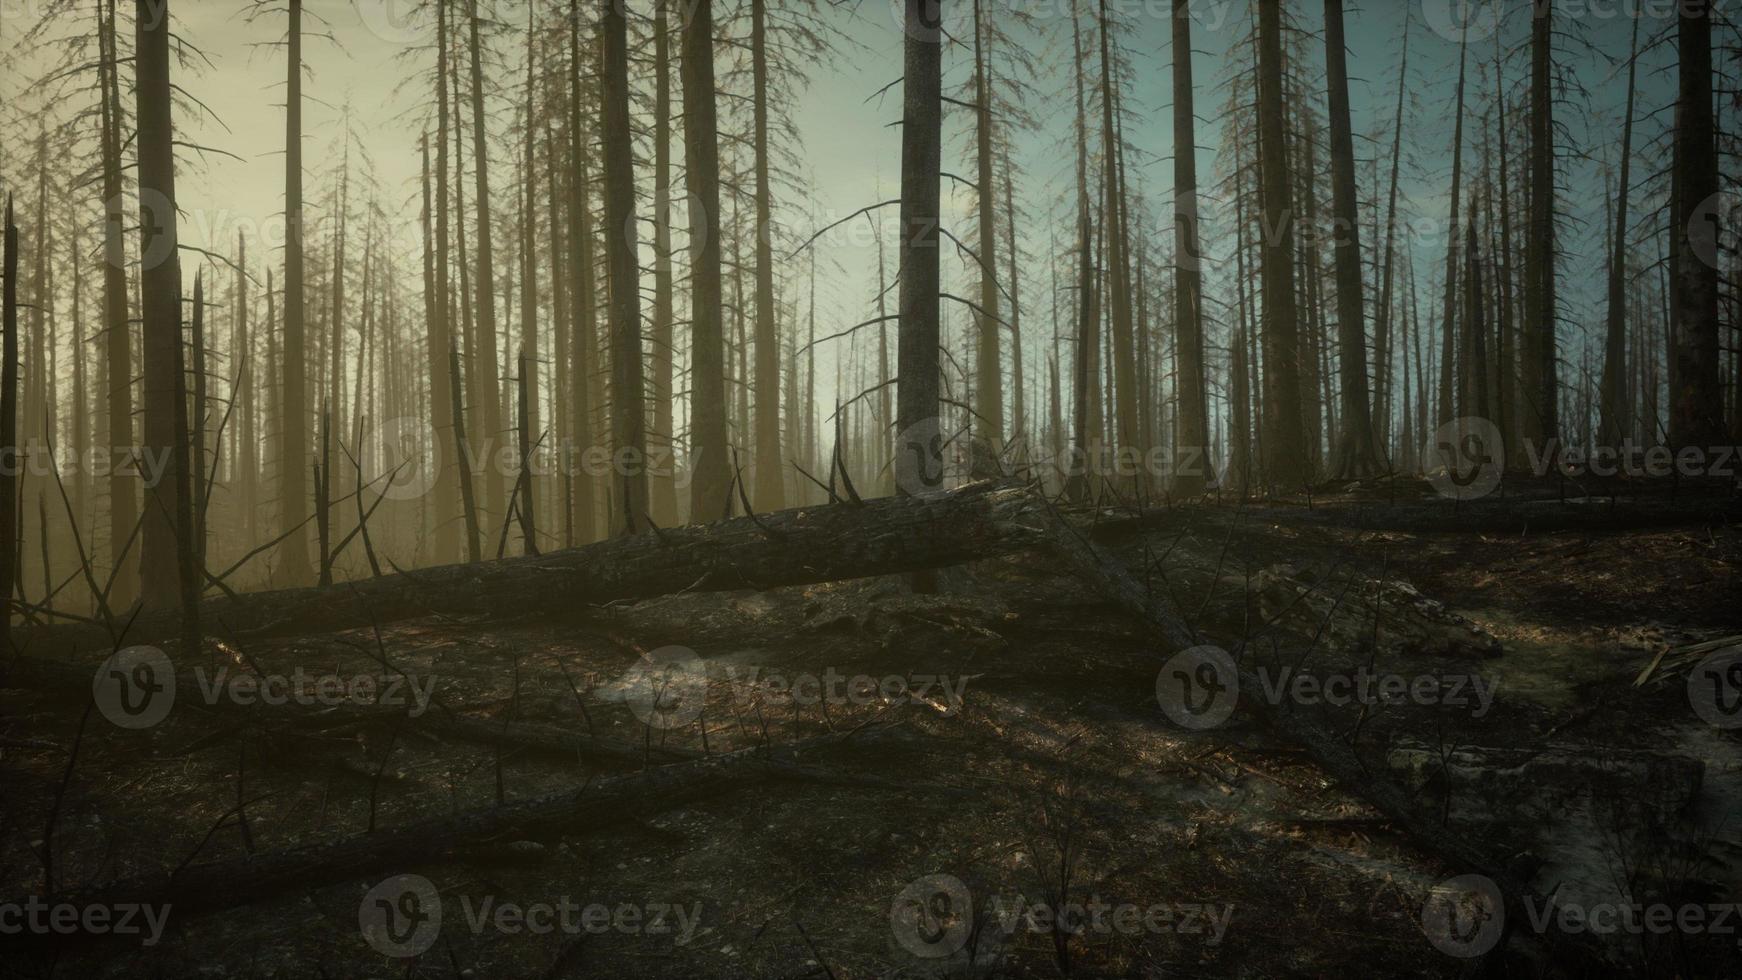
628 393
712 472
1192 434
160 307
919 460
8 426
1696 405
1356 455
1612 407
293 491
770 486
1285 457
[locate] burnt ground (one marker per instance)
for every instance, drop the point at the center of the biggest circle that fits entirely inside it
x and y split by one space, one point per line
1056 781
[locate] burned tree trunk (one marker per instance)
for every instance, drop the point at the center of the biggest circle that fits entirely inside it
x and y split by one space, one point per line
1192 434
1696 405
8 426
1285 458
919 459
160 306
293 492
628 393
770 488
1356 454
712 473
884 536
1612 406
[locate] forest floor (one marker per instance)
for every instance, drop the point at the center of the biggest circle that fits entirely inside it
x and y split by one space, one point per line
1022 764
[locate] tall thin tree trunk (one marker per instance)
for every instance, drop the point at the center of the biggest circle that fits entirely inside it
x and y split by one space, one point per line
487 398
118 335
1357 454
770 485
663 488
1612 406
988 425
712 469
919 460
1192 441
1540 409
628 393
293 566
1696 405
583 344
160 306
1285 446
8 425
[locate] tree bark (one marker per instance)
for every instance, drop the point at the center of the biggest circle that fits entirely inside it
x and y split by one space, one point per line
628 394
1192 435
1357 455
1696 397
1285 462
884 536
769 482
293 566
711 469
160 306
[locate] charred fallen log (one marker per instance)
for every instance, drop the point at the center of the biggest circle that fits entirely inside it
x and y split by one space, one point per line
891 535
232 882
1330 753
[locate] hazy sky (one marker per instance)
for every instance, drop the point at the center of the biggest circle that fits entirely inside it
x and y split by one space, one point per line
849 143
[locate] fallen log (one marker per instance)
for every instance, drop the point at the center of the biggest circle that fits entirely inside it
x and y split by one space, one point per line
279 721
886 536
1488 515
1328 752
233 882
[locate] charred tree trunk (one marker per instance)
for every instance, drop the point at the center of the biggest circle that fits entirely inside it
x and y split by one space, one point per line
488 398
1696 407
628 395
711 469
293 566
1284 442
988 425
919 458
118 334
160 305
1539 409
1356 455
663 487
1192 436
8 425
770 485
1612 404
